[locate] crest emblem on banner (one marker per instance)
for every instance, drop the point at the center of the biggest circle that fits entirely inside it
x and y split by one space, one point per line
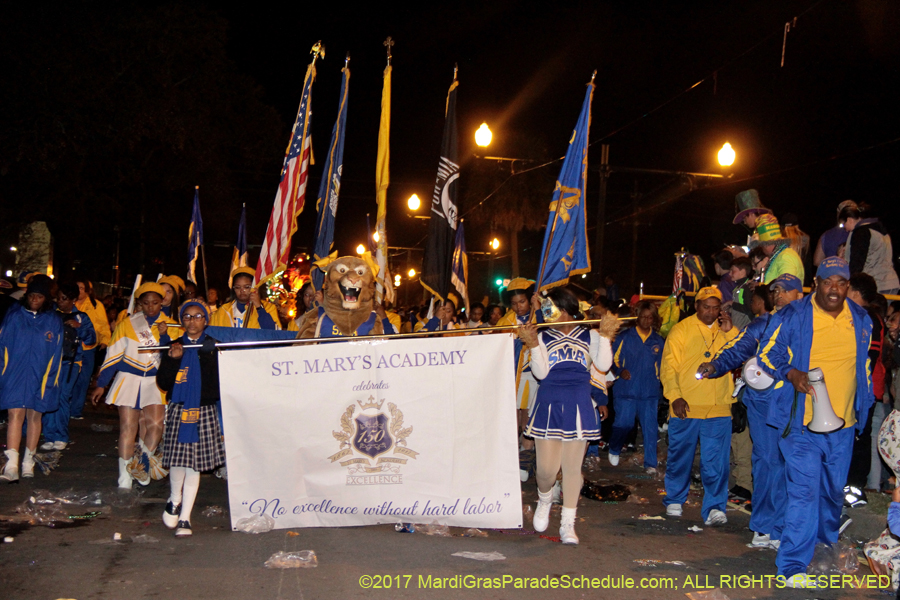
373 443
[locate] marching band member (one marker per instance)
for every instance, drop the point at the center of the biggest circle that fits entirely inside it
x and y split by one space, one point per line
444 319
246 309
700 410
636 360
564 418
30 363
77 331
134 391
174 287
96 312
519 296
767 520
823 331
193 436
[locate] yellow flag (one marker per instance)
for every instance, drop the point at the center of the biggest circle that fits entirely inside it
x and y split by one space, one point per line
385 285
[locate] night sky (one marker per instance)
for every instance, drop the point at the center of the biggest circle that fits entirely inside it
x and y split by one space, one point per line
803 133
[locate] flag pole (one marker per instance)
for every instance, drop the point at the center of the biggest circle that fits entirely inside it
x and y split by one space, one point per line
203 259
390 336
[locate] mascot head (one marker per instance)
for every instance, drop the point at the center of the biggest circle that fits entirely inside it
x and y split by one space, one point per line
349 291
349 284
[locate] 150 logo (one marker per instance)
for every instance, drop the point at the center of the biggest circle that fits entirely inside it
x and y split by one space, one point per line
367 438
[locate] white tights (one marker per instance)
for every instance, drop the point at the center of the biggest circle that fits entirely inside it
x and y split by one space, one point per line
553 454
185 483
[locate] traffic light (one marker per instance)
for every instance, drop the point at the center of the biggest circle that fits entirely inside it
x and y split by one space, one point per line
499 282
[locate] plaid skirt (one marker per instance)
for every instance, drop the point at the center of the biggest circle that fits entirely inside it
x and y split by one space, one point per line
205 455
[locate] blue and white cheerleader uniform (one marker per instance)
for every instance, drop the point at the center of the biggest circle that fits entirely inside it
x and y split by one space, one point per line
563 409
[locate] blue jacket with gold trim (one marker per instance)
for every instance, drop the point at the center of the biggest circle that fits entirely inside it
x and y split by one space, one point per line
30 359
642 360
787 345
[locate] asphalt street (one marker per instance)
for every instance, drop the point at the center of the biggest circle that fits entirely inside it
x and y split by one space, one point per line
622 544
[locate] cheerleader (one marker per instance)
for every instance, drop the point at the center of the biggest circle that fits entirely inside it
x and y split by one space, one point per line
193 438
564 418
134 391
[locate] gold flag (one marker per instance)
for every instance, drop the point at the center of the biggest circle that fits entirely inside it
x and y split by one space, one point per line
385 285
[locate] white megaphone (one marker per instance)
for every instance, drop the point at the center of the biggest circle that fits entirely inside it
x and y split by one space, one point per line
824 419
755 377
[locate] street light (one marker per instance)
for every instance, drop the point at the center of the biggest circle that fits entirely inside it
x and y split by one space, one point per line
397 280
360 249
412 273
13 248
414 203
376 237
495 243
726 155
483 136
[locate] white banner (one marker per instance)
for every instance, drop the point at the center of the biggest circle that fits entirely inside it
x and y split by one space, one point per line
366 432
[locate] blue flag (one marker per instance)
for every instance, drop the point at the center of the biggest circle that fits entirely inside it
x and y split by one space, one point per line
565 252
195 237
239 254
459 275
327 202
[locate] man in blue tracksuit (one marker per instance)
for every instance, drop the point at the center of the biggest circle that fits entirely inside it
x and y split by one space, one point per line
637 354
767 519
821 331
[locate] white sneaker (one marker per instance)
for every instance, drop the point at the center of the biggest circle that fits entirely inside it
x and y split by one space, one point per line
541 518
651 471
673 510
28 464
775 544
556 493
10 472
47 445
567 533
125 478
716 517
801 580
60 445
613 459
760 540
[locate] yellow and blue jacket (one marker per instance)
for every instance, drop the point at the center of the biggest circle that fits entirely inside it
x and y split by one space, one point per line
123 352
787 345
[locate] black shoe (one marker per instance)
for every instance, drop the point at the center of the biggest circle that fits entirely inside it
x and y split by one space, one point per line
184 529
170 515
738 493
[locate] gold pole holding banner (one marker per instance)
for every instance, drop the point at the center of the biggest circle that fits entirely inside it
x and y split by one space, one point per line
390 336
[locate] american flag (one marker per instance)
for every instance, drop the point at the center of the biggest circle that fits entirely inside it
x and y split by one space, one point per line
291 194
